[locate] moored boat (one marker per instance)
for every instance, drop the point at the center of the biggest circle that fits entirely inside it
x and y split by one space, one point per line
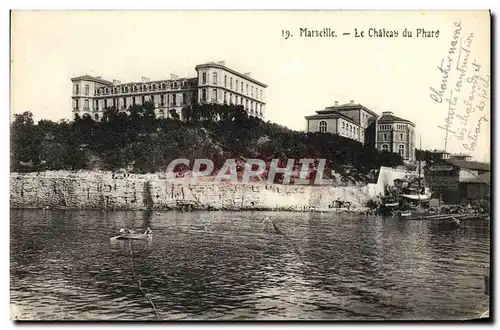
405 213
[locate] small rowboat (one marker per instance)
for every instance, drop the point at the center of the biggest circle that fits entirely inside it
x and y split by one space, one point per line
134 236
127 234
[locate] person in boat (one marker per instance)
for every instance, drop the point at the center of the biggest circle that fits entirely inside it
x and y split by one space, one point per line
269 226
126 231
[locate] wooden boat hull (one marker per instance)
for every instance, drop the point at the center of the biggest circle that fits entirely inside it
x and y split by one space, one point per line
142 237
417 197
391 204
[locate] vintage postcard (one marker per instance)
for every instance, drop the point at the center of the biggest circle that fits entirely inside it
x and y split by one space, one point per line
250 165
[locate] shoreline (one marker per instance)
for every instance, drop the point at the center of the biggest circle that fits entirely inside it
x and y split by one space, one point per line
94 190
330 211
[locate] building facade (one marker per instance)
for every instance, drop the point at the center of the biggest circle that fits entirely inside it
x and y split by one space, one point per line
350 120
214 83
454 180
395 134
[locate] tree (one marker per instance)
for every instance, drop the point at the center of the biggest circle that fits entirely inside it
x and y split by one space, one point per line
25 142
147 143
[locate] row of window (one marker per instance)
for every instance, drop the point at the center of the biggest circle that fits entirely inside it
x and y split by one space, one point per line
141 88
86 89
161 114
385 137
388 127
162 100
350 129
401 148
229 98
96 116
131 88
238 85
347 130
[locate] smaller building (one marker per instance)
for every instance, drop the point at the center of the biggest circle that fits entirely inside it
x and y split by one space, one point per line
440 154
456 180
460 157
397 135
349 120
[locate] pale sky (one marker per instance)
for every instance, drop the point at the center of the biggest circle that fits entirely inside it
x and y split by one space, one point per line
303 74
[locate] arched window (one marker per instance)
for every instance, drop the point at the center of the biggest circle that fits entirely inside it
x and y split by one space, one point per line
162 114
401 150
96 117
322 126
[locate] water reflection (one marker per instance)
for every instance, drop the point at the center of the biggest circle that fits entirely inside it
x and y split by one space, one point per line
222 265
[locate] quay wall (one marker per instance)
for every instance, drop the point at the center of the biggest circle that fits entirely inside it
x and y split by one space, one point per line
105 190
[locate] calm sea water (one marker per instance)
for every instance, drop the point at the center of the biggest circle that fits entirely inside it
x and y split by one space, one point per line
221 265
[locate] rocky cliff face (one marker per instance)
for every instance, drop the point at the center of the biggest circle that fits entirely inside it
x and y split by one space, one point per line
104 190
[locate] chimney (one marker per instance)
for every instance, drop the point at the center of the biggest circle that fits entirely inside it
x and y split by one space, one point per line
145 79
174 76
386 113
248 74
336 103
351 101
222 63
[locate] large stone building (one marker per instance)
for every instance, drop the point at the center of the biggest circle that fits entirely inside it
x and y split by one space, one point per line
214 83
395 134
357 122
353 121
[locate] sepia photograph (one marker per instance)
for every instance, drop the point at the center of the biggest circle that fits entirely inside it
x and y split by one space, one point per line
178 165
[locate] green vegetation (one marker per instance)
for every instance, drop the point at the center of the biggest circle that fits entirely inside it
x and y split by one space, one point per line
143 143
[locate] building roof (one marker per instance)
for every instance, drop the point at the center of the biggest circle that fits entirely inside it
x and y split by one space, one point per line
389 117
220 66
94 79
483 178
328 113
470 165
189 80
436 151
352 106
331 114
